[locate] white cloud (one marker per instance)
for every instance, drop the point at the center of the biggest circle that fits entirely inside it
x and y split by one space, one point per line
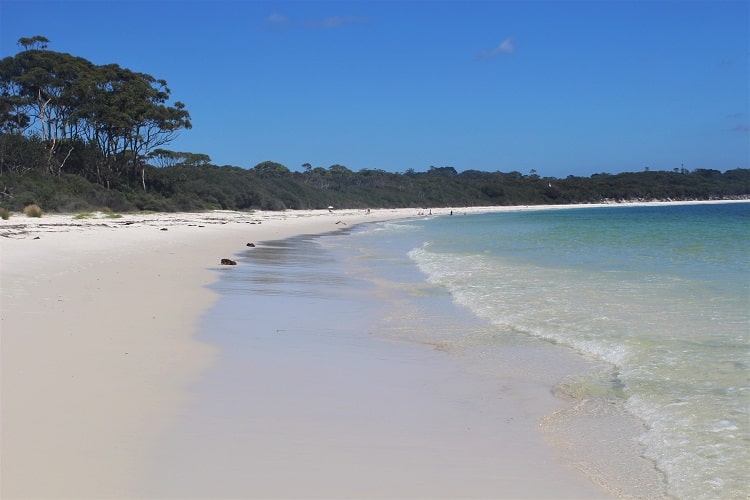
336 21
277 20
507 46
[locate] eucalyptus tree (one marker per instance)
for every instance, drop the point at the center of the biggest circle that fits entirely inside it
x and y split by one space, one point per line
128 116
61 98
38 96
271 169
35 42
340 176
166 158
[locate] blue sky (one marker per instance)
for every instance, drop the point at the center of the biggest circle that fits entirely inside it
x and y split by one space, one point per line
564 88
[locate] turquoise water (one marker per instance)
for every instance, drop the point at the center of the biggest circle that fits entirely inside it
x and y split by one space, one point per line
655 299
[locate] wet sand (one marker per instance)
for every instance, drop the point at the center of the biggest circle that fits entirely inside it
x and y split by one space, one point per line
309 398
97 325
101 372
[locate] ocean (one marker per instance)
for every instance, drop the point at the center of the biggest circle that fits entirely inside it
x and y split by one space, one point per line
636 319
637 316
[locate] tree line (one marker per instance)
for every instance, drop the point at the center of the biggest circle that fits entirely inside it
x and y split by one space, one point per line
78 136
110 117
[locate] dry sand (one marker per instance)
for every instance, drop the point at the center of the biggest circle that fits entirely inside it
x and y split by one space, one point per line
96 335
97 346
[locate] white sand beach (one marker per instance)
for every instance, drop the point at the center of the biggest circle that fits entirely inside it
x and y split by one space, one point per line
96 340
98 349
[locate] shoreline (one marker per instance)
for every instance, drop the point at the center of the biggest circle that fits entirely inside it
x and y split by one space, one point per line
98 323
97 336
326 395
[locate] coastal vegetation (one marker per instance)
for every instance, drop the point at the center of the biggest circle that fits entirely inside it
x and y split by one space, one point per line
77 137
32 210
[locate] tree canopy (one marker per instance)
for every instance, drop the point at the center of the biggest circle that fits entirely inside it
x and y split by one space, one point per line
76 135
68 102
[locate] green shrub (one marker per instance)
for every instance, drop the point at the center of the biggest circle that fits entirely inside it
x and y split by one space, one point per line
4 213
32 210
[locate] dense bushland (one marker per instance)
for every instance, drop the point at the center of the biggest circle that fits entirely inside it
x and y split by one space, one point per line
75 136
272 186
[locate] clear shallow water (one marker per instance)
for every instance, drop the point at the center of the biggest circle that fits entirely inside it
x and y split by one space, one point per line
657 299
305 388
637 317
